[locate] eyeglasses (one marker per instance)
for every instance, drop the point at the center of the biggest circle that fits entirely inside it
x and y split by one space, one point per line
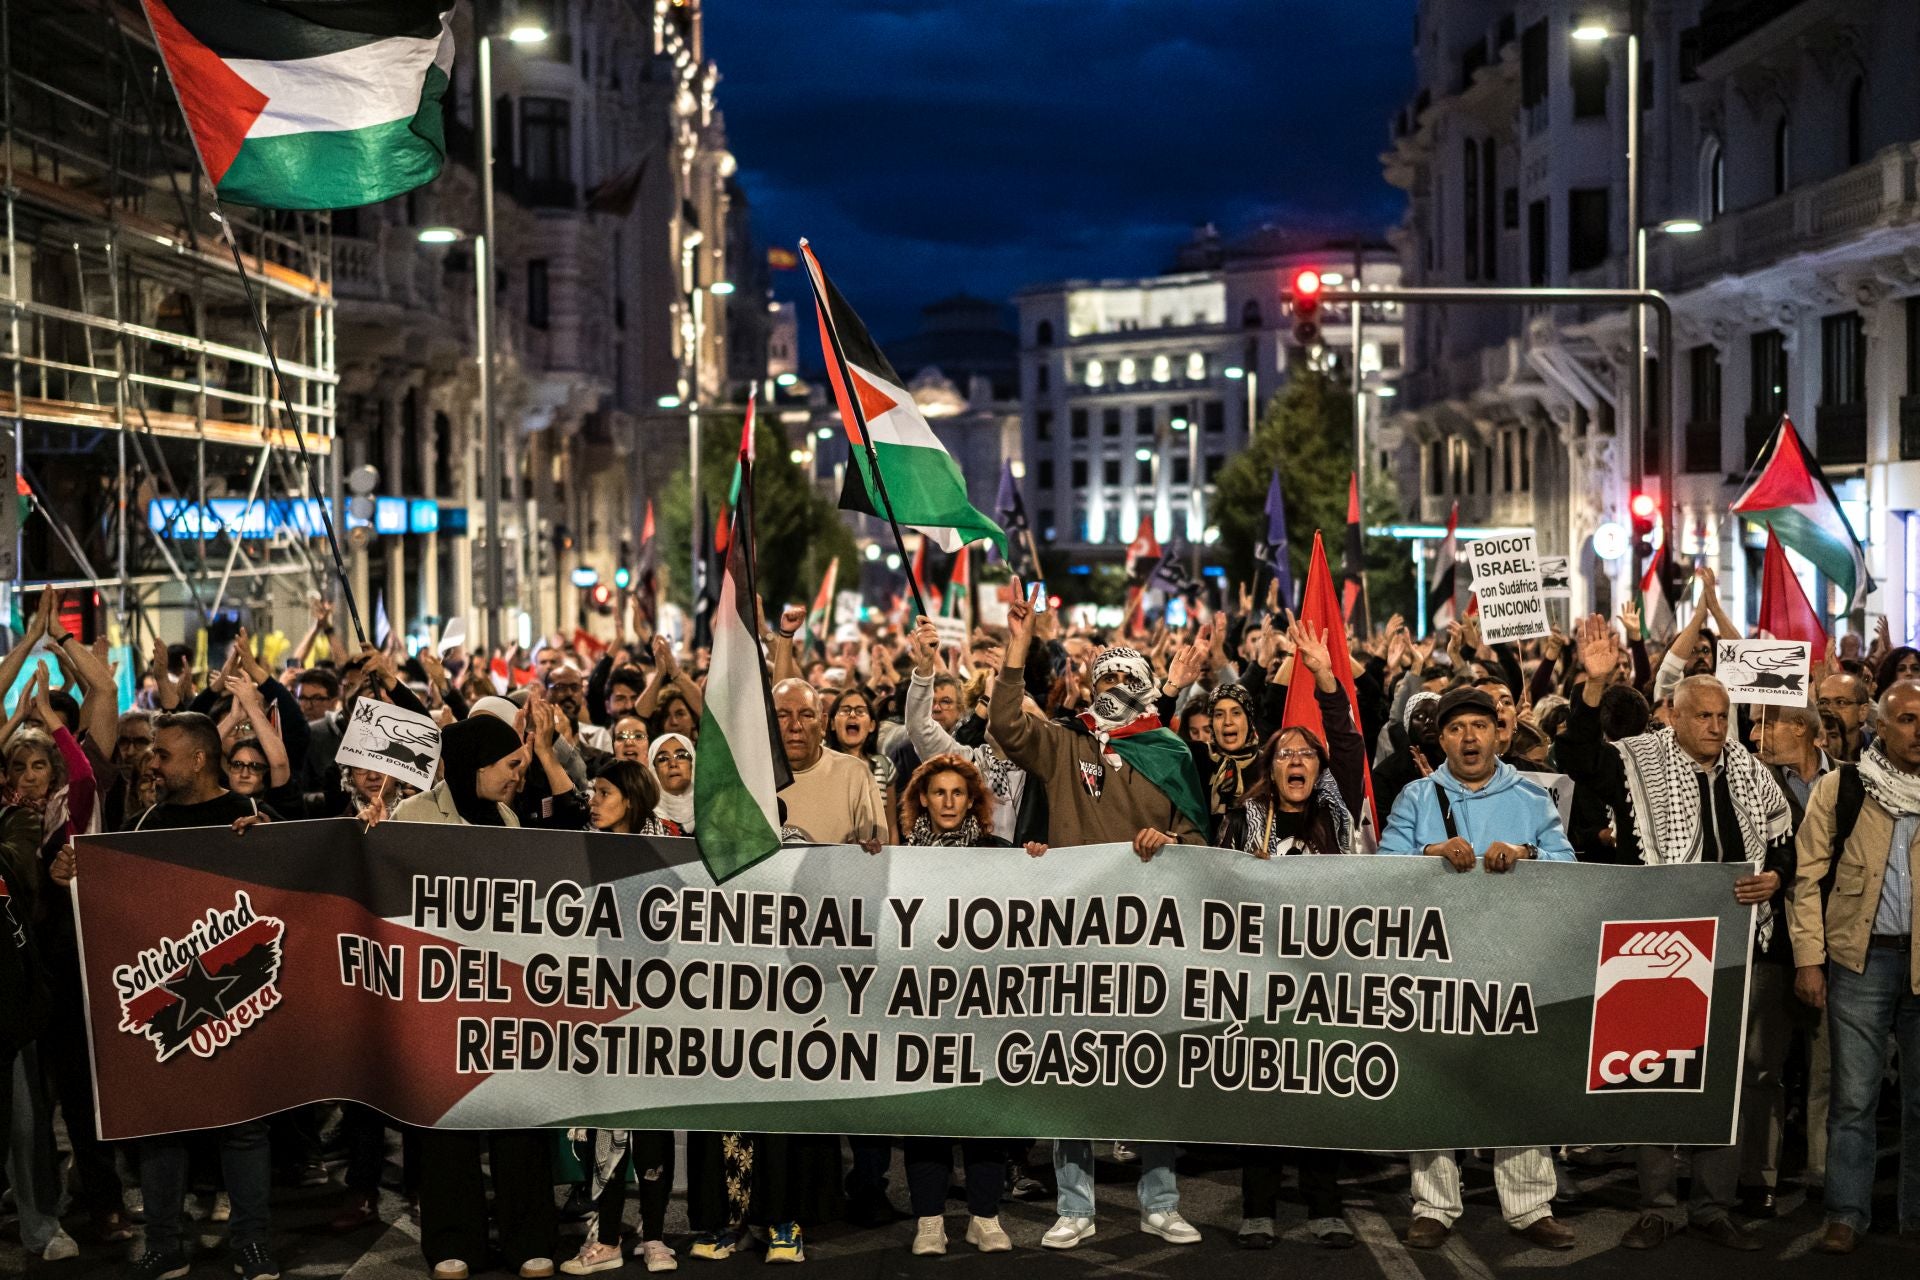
681 757
1290 754
245 766
630 735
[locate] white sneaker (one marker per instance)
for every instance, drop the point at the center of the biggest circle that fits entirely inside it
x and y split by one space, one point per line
60 1248
1067 1233
930 1237
1169 1226
658 1256
450 1269
1123 1153
987 1235
593 1258
222 1208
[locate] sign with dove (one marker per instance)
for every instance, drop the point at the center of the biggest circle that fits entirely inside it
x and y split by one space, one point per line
392 740
1770 673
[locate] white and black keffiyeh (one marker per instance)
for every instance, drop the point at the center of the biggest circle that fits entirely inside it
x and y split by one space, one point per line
1127 701
1893 790
1266 839
1663 786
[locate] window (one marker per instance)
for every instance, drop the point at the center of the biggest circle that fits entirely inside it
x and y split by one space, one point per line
1215 462
1913 348
1110 471
1044 472
1489 195
1182 471
1096 374
546 151
1457 453
1486 461
1588 228
1506 461
1143 420
1856 122
1782 156
537 293
1250 314
1766 388
1043 378
1143 471
1526 461
1162 369
1043 334
1109 422
1466 463
1470 206
1129 371
1589 68
1537 266
1533 64
1214 414
1713 180
1079 473
1843 360
1196 367
1389 355
1043 424
1510 209
1077 424
1703 410
1436 466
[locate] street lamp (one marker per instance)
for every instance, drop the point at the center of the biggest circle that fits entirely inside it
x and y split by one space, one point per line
786 379
440 235
520 33
1683 226
720 288
1252 377
668 402
1590 32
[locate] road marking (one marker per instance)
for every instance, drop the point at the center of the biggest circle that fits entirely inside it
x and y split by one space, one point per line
1388 1253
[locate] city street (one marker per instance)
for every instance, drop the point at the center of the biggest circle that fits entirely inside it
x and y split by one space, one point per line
1377 1207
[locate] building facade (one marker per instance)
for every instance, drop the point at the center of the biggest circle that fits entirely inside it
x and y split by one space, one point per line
622 277
1777 199
1134 393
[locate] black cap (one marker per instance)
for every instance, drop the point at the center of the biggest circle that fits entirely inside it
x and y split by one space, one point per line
1460 701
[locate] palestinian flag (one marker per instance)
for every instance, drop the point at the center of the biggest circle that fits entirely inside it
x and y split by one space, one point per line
1441 597
1656 606
1785 611
736 791
310 104
646 582
959 600
1790 495
921 580
820 618
917 483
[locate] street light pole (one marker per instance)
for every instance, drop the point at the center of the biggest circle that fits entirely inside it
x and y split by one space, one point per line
489 422
693 408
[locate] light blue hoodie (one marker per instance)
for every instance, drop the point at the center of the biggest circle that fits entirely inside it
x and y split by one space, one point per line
1511 808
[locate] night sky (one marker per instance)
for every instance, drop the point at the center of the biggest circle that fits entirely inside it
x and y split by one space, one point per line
934 146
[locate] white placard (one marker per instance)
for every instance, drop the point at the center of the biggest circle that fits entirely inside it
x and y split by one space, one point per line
1772 673
846 608
392 740
1506 578
1556 580
1560 787
953 632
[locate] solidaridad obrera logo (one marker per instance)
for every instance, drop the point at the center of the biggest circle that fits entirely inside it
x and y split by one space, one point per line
202 990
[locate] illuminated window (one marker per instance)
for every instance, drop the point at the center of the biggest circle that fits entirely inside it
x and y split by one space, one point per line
1162 369
1196 367
1129 372
1096 373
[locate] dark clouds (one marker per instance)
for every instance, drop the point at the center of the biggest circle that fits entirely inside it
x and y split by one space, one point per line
929 146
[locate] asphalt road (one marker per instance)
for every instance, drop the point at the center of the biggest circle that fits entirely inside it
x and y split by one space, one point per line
1600 1208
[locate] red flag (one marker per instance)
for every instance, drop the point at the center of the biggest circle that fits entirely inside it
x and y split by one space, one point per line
1785 612
1353 583
928 592
1320 606
1143 553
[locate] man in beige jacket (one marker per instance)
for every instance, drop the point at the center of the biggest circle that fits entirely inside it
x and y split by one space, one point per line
1854 953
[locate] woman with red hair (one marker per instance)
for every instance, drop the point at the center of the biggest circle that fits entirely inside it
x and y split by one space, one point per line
947 804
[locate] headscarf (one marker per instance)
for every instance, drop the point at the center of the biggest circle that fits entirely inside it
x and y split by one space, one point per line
1419 699
497 707
1229 767
1121 708
675 809
466 747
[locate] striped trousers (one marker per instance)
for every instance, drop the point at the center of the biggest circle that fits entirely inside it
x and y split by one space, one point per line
1522 1175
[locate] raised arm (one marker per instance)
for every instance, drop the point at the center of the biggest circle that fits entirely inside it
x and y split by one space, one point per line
247 699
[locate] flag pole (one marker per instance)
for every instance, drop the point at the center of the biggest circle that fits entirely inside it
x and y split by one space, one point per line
866 440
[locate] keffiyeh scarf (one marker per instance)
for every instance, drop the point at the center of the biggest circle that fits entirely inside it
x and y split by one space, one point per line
1126 708
964 836
1896 792
1228 783
1266 838
1663 786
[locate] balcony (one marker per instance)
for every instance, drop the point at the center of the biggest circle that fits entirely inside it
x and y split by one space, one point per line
1842 435
1909 428
1879 192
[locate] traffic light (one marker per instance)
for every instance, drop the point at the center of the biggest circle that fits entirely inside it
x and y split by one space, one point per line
1303 298
1645 510
623 577
600 596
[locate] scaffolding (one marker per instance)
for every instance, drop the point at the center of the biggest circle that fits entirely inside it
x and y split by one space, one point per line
146 427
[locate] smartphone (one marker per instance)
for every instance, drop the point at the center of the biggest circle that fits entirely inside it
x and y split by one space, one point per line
1037 597
1176 614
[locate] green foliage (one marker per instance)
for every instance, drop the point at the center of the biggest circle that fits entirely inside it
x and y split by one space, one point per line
796 529
1307 432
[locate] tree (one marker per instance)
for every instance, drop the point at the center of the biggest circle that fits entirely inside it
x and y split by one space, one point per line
796 530
1307 432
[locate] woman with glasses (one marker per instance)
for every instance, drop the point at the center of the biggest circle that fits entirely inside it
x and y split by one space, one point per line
1301 798
853 728
672 759
630 739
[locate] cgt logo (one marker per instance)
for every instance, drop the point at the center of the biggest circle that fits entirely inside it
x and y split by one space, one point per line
1652 993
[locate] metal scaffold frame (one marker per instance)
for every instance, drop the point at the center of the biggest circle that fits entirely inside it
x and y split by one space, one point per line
131 372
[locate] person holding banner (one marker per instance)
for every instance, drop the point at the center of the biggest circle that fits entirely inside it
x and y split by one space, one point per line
1111 774
671 759
1471 811
484 763
929 737
1302 798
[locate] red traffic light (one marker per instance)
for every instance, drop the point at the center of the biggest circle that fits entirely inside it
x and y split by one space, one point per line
1306 284
1644 506
601 594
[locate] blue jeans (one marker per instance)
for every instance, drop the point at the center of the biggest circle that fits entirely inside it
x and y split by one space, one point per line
1863 1009
1073 1172
245 1159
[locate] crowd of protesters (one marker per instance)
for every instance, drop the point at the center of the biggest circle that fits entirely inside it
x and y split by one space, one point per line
1038 735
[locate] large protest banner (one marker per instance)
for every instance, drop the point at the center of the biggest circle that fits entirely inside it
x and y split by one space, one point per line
477 977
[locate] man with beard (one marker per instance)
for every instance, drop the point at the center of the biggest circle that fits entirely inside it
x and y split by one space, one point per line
1112 774
567 690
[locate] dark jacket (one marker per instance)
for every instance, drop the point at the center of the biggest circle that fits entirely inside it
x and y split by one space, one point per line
1347 757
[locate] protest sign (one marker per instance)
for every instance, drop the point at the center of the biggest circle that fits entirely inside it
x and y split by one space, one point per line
953 632
392 740
1771 673
1560 787
1506 580
1556 580
478 977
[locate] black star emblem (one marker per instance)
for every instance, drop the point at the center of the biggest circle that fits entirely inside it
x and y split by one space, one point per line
200 992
